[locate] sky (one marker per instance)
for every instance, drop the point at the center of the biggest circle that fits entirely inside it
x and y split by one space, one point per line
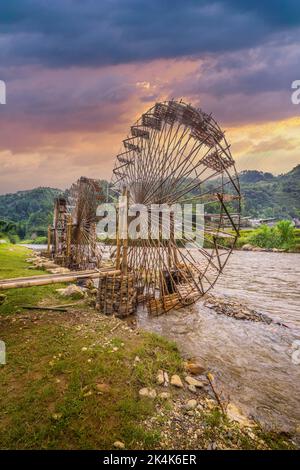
78 73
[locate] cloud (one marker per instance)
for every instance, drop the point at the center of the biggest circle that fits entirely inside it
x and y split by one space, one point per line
92 33
79 73
244 86
270 146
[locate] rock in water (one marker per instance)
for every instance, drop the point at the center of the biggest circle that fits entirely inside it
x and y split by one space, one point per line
195 368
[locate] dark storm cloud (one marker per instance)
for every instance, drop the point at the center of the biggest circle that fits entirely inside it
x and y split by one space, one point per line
93 32
244 86
267 69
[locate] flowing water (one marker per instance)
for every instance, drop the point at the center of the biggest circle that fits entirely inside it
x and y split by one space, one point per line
257 366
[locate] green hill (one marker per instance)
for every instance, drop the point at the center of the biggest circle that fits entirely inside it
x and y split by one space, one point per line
265 195
25 213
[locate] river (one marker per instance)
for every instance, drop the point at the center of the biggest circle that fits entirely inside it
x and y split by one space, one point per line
253 363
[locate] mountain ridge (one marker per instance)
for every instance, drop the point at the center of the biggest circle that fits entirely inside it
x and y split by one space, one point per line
264 195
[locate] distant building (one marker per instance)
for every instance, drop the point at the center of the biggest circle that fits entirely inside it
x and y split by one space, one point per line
258 222
236 219
296 222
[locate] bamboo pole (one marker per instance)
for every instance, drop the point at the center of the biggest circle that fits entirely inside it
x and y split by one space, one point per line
51 279
49 240
125 240
69 237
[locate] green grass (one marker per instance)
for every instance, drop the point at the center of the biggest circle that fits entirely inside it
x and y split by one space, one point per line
35 241
13 264
48 394
48 374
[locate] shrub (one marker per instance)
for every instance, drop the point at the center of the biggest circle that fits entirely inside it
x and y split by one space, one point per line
13 238
281 236
285 231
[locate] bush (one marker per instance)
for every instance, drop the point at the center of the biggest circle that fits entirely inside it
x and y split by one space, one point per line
281 236
13 238
285 232
36 241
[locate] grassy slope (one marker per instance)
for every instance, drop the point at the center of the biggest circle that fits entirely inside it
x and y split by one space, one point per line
48 388
13 264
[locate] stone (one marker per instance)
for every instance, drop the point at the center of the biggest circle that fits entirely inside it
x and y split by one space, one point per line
212 446
247 247
176 381
93 291
56 416
90 284
49 265
191 404
59 271
235 414
240 316
103 388
72 291
164 395
191 381
166 379
210 404
119 445
195 368
192 388
147 393
136 361
152 393
160 378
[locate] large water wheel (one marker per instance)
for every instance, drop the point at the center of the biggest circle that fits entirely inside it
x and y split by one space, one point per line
176 154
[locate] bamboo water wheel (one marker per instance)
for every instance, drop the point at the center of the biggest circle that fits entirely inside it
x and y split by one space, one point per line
74 231
176 155
58 233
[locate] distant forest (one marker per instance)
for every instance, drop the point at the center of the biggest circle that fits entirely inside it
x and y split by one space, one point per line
27 214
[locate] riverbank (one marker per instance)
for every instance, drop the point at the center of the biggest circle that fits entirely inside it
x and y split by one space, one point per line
79 379
282 237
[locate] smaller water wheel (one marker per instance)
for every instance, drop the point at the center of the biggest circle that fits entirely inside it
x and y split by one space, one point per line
83 199
74 241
